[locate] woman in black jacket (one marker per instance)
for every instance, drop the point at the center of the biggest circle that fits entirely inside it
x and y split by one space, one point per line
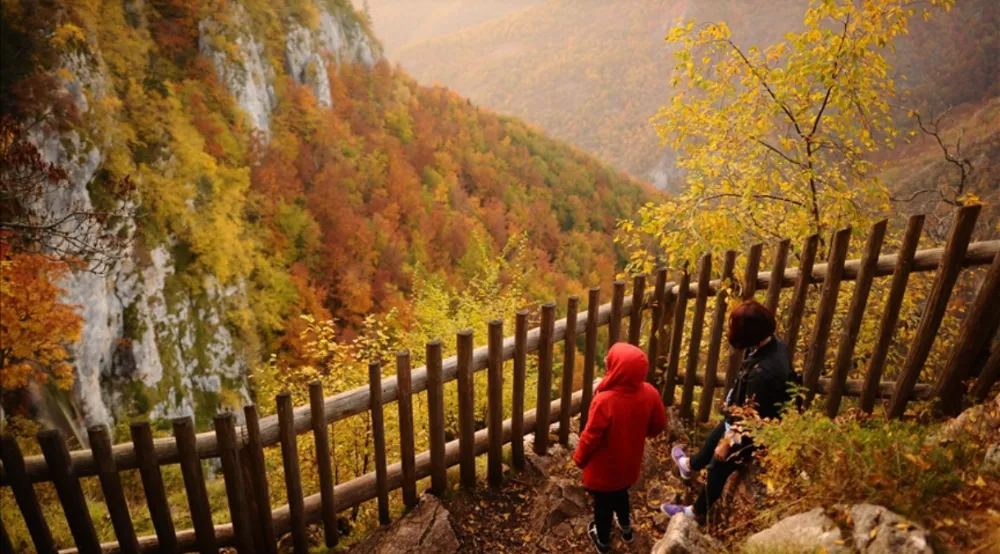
761 384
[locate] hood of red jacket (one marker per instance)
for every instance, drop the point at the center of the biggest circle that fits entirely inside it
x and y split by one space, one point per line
627 366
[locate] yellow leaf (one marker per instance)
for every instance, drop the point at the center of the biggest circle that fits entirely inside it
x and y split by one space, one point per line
980 482
873 532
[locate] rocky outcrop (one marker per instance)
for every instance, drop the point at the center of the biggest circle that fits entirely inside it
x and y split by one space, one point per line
424 529
879 531
991 463
684 537
804 533
337 38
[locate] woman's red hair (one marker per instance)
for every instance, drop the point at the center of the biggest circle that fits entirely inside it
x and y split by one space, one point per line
749 324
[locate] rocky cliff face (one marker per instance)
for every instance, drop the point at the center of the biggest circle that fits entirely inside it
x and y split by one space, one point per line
153 343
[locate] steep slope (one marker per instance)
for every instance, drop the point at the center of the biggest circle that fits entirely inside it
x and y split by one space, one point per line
284 168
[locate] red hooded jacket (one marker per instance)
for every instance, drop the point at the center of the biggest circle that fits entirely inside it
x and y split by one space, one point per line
625 410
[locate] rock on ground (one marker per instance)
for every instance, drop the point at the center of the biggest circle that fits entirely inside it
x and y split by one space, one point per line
807 532
991 463
879 531
425 529
684 537
559 501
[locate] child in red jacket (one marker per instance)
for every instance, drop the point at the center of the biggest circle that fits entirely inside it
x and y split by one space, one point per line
624 412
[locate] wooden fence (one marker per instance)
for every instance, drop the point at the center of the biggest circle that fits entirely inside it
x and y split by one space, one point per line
255 526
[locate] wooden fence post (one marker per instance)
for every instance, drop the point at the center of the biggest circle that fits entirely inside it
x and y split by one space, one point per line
977 334
937 303
694 341
5 544
406 440
569 361
989 376
466 411
798 304
67 486
747 289
656 313
635 315
152 485
494 392
715 341
617 306
293 478
229 456
435 417
258 485
852 326
517 402
24 494
589 354
194 484
676 336
111 486
777 275
378 437
544 396
816 355
321 436
890 313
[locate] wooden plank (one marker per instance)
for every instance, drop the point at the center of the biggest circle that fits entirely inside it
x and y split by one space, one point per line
816 355
798 303
569 361
778 268
250 499
321 438
589 353
435 418
852 325
852 388
715 341
937 304
665 331
229 456
466 410
978 330
111 486
68 489
545 379
656 309
259 485
694 341
676 336
635 314
152 485
517 400
194 484
293 477
5 544
378 438
494 401
989 376
890 314
407 447
24 495
617 306
747 289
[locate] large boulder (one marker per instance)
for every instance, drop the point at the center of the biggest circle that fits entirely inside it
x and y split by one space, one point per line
684 537
561 500
804 533
879 531
424 529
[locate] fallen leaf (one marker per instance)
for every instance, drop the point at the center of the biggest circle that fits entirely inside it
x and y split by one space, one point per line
980 482
873 532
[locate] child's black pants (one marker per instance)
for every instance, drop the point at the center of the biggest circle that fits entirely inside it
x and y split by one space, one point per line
607 504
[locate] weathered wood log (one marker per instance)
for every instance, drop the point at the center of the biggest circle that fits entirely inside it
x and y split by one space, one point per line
321 437
67 485
407 448
517 397
494 400
656 310
816 355
694 341
778 268
978 330
229 456
937 304
466 410
715 341
194 484
24 495
635 316
589 354
798 303
890 314
258 484
378 438
435 418
989 376
250 499
111 486
152 485
664 330
544 394
676 336
852 325
569 361
748 286
852 388
293 477
617 307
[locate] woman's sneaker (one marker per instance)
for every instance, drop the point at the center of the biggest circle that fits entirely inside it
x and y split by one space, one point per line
682 461
598 545
626 532
674 509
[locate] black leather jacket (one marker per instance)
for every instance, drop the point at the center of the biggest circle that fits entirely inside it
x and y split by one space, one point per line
763 377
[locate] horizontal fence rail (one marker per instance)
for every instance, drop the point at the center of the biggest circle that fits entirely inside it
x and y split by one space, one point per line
257 525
